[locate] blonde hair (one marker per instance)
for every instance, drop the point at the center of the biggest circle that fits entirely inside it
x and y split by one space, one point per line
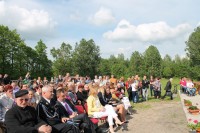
102 90
93 91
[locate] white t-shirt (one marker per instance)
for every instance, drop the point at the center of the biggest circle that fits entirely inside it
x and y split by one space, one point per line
133 86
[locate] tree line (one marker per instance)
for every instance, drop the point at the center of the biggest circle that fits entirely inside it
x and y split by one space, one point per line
16 59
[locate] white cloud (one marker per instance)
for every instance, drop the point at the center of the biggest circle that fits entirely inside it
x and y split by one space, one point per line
102 17
146 32
30 23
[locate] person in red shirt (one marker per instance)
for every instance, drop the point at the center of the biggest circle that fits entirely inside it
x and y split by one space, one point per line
183 84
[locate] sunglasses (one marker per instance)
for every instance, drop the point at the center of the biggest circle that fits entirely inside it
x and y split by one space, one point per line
23 99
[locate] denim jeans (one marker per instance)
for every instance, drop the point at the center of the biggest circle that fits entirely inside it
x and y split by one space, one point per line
151 90
145 94
135 96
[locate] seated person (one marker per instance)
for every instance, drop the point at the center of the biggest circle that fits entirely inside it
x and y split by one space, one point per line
22 118
119 107
97 110
47 112
6 101
80 95
32 100
67 111
190 88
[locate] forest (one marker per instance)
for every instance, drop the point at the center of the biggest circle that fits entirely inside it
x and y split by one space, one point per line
17 58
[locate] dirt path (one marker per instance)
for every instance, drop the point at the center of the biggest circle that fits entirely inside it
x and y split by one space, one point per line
157 117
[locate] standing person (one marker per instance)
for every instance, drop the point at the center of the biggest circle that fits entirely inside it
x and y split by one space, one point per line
31 96
38 93
6 101
157 87
47 112
151 86
145 86
168 88
134 87
23 118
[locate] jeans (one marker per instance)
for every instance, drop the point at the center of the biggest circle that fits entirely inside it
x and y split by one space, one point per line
151 90
145 94
135 96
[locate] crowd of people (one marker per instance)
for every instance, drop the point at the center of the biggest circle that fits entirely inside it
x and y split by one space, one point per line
36 105
51 106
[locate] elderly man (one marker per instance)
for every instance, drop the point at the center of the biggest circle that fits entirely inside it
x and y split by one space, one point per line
168 88
47 112
22 118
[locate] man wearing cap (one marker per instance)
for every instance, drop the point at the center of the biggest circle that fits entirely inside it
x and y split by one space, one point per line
23 118
47 112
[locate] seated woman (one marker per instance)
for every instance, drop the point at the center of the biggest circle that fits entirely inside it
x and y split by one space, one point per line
105 97
97 110
31 97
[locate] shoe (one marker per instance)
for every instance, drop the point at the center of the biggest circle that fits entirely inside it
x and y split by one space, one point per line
126 121
119 124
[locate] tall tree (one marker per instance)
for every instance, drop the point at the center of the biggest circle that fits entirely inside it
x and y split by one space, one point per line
167 66
86 58
193 47
152 61
136 64
62 63
43 63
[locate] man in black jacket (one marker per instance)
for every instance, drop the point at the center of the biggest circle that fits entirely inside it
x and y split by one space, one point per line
47 112
23 119
168 88
68 113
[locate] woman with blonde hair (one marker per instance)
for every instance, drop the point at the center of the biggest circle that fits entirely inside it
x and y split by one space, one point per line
119 107
97 110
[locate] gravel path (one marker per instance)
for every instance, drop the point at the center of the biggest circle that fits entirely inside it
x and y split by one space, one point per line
157 117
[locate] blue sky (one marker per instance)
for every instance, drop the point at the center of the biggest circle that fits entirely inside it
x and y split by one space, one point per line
117 26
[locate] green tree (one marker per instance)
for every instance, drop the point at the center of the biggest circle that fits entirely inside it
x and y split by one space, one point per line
152 61
86 58
62 63
43 67
167 65
136 64
193 47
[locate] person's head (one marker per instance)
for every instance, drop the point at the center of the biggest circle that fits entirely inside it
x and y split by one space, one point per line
1 76
80 88
47 92
30 93
21 98
60 95
93 91
86 87
13 84
107 90
71 86
8 89
145 77
136 77
1 88
112 76
45 78
24 87
170 79
39 78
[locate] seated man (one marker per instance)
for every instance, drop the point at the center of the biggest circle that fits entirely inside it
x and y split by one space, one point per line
22 118
47 112
67 111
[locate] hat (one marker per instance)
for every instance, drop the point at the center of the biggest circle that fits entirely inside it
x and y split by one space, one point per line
21 93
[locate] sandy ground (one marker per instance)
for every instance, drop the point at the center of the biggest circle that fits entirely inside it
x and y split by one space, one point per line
157 117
